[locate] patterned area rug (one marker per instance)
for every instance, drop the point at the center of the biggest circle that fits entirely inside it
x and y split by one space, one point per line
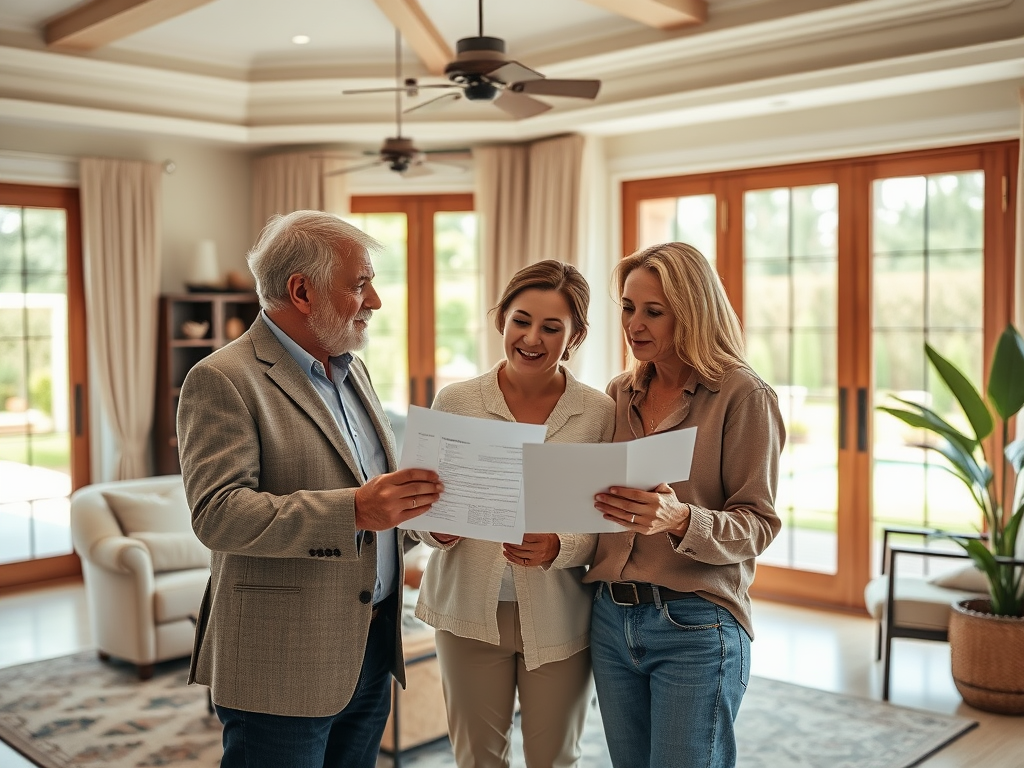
78 711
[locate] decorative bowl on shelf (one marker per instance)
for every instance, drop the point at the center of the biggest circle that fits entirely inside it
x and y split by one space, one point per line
194 329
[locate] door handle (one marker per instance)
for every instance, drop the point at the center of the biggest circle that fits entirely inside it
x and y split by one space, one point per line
78 410
430 392
862 419
843 397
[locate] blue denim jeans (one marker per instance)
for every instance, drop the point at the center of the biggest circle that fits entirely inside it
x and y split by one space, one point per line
349 739
669 680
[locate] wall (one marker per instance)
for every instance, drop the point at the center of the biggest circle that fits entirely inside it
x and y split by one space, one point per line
207 196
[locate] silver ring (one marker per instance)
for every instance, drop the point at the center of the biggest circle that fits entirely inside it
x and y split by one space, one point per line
632 519
415 500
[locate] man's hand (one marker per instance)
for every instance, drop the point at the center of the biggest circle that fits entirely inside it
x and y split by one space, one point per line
387 500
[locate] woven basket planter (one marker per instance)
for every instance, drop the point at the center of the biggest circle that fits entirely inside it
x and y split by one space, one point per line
988 657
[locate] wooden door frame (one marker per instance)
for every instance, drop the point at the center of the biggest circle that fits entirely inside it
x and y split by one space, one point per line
419 211
31 196
854 175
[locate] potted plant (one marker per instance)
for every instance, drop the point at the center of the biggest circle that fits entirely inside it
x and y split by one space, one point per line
986 636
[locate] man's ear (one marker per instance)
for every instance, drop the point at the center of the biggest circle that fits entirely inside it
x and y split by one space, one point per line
299 293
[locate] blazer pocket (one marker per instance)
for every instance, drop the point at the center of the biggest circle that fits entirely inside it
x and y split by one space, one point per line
266 588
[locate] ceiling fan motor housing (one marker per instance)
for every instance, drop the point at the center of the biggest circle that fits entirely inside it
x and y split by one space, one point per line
475 56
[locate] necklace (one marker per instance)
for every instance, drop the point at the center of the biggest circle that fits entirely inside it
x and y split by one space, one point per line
656 410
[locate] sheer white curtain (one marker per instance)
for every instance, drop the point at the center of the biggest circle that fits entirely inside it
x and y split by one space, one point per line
295 181
1019 252
528 203
121 235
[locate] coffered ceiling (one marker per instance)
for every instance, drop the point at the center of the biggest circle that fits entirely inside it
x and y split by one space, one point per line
227 70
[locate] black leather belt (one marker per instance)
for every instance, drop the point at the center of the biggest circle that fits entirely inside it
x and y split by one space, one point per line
637 592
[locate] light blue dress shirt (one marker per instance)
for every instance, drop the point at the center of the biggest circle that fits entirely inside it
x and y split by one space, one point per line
341 398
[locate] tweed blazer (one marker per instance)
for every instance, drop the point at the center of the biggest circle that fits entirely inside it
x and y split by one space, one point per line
462 581
271 483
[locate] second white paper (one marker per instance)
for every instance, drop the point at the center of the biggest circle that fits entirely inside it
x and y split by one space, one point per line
562 479
480 462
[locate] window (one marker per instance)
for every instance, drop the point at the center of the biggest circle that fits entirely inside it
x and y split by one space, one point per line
43 429
840 271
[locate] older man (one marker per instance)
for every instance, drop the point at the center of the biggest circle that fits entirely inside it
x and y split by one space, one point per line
288 462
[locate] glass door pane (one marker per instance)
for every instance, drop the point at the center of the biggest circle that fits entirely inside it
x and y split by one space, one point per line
688 219
35 436
459 313
790 317
387 353
927 262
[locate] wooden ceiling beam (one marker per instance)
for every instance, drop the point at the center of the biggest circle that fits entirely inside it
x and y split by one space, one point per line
99 22
660 14
419 32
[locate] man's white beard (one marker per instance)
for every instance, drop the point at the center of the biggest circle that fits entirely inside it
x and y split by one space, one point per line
335 334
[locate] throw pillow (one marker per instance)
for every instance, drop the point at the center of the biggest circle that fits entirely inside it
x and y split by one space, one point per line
174 551
151 512
966 579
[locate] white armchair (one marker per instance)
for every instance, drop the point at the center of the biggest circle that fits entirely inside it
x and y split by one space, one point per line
144 569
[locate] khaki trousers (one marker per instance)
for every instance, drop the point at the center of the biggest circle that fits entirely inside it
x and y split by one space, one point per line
480 682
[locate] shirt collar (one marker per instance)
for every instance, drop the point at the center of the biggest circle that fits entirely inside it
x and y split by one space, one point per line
308 363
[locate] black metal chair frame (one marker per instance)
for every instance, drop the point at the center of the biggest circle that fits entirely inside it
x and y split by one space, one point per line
890 553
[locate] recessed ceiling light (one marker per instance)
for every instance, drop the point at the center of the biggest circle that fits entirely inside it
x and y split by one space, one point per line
301 39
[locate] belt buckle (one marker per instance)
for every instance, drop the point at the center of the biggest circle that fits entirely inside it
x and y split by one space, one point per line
627 584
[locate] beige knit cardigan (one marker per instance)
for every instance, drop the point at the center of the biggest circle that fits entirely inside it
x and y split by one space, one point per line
461 583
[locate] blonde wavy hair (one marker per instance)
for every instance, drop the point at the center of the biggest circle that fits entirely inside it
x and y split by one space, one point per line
707 331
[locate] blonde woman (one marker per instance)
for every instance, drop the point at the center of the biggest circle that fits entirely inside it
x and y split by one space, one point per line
671 621
515 618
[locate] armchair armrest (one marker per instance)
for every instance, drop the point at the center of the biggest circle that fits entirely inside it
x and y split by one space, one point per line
121 554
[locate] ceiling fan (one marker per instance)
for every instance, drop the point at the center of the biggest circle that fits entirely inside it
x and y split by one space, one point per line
398 152
482 72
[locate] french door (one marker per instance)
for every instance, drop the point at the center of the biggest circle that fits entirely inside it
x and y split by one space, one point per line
840 272
44 448
429 330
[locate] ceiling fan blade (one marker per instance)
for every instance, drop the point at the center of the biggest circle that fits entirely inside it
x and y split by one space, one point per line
580 89
417 169
514 72
520 105
352 168
448 154
436 102
371 90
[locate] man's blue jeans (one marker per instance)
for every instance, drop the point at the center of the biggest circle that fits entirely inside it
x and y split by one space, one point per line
669 680
349 739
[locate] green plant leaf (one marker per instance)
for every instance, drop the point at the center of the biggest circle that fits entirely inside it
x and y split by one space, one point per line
925 418
965 393
981 556
1006 377
1010 531
965 467
1015 455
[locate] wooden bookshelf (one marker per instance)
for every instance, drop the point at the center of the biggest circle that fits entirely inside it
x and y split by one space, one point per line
178 353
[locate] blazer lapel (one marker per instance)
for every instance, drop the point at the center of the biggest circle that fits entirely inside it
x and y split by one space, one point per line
286 374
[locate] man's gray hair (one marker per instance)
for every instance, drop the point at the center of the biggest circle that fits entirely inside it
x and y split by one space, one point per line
304 242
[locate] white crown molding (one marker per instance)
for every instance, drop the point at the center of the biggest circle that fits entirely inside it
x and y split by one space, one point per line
839 20
19 110
46 88
820 145
34 168
990 62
